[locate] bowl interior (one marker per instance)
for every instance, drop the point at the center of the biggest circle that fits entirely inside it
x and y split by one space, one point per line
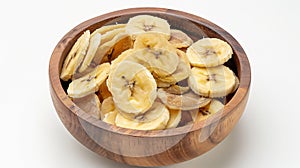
196 27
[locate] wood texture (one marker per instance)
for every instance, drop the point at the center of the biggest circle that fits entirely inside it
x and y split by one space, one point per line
150 148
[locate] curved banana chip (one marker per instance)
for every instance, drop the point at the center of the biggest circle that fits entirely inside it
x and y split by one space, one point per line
209 52
212 82
156 124
104 48
115 63
108 36
94 44
175 118
153 113
133 87
203 113
118 48
90 104
182 71
147 24
153 41
104 29
107 106
187 101
160 61
162 84
110 117
89 83
75 56
179 39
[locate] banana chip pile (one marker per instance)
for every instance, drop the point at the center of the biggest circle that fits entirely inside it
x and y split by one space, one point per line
144 75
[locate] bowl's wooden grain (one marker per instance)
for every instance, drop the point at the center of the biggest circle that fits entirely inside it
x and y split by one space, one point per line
150 148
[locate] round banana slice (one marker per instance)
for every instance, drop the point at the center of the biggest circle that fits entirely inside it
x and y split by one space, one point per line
209 52
75 56
94 44
159 61
153 41
133 87
157 124
90 104
175 118
153 113
187 101
203 113
89 83
115 63
107 106
107 28
179 39
182 71
147 24
212 82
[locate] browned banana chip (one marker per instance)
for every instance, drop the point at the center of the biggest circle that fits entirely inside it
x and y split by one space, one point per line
103 92
106 47
121 46
187 101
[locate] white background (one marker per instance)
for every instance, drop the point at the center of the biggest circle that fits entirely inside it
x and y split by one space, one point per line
266 136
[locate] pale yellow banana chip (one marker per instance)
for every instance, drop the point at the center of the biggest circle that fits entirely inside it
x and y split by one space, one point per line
94 44
175 118
147 24
159 61
212 82
153 113
104 29
213 107
108 36
182 71
75 56
209 52
110 117
107 106
133 87
89 83
159 123
153 41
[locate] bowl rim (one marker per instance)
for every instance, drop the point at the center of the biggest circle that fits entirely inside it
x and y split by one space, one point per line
241 93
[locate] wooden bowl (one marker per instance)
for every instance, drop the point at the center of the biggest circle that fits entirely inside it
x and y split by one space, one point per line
150 148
